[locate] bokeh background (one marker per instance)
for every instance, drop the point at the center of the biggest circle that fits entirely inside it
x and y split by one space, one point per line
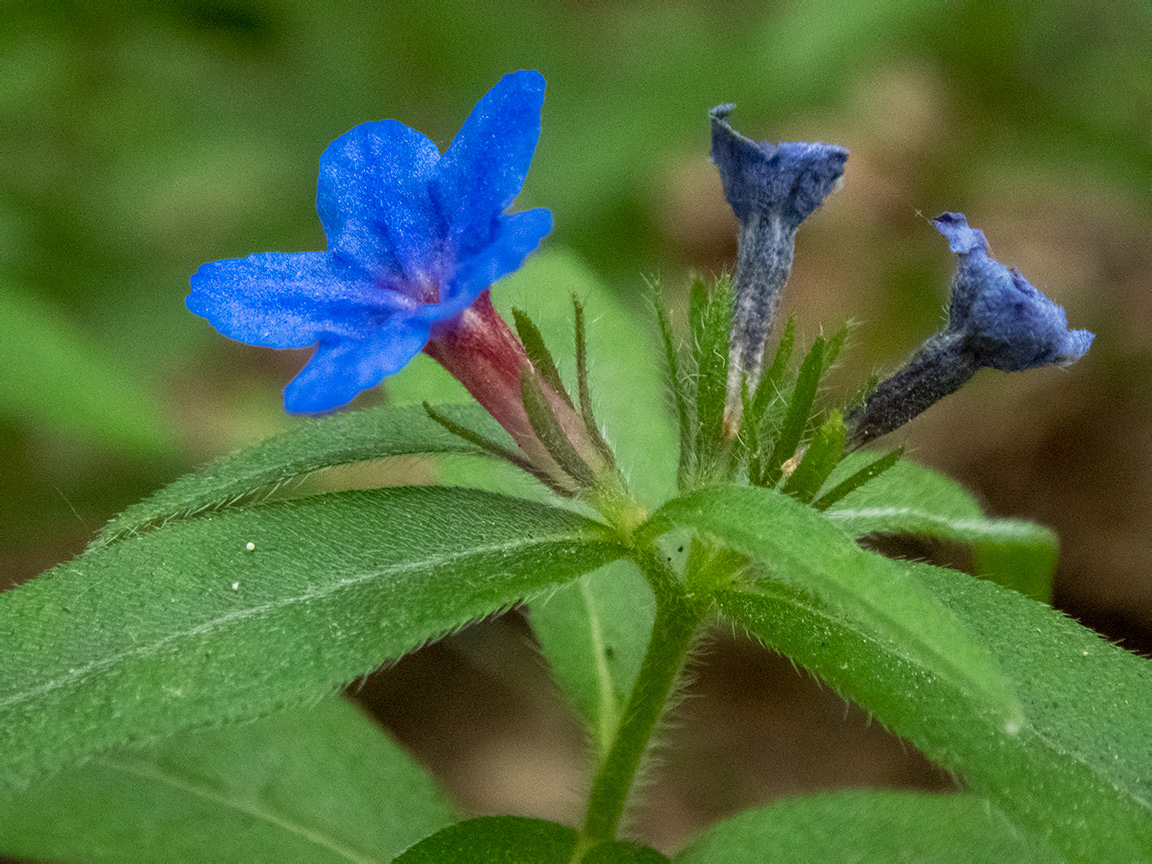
138 141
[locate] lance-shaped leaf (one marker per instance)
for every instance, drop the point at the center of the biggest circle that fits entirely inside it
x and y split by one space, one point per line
797 546
239 613
311 784
593 633
1076 775
912 499
865 826
315 443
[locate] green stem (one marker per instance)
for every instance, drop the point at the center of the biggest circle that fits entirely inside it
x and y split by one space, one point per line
677 618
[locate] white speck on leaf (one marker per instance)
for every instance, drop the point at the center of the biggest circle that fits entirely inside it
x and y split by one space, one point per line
235 586
250 546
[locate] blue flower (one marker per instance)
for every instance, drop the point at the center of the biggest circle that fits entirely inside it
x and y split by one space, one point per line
414 237
1007 323
996 320
771 189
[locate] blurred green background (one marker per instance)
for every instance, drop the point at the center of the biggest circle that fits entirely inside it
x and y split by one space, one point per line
138 141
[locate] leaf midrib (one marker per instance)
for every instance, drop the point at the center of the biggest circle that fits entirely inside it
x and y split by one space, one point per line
429 563
1008 528
248 808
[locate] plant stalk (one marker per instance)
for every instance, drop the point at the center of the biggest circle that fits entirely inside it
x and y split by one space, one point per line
677 619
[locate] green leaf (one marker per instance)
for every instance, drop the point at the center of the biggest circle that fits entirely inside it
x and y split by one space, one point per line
796 417
912 499
594 633
513 839
239 613
316 784
340 439
801 548
539 354
54 378
819 460
1078 772
865 826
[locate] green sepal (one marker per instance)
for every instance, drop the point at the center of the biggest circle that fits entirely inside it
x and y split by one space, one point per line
585 395
675 383
484 443
551 434
768 388
869 472
711 326
822 457
539 354
833 346
796 417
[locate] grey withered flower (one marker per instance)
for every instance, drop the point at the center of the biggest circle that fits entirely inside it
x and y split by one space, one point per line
771 189
996 320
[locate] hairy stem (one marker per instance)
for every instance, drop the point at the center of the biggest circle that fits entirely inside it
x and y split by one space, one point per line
677 619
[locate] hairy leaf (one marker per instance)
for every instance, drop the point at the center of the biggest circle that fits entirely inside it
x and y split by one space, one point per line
799 547
1077 774
311 784
238 613
339 439
912 499
594 632
865 826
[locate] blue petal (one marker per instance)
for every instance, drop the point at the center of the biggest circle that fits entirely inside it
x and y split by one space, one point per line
789 181
289 300
1019 328
372 197
518 235
1010 325
342 368
961 238
484 169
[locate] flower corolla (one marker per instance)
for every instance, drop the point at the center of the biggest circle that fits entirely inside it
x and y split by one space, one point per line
414 238
771 189
996 320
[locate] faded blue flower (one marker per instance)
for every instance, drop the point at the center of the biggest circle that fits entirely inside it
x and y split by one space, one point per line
771 189
414 237
996 320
